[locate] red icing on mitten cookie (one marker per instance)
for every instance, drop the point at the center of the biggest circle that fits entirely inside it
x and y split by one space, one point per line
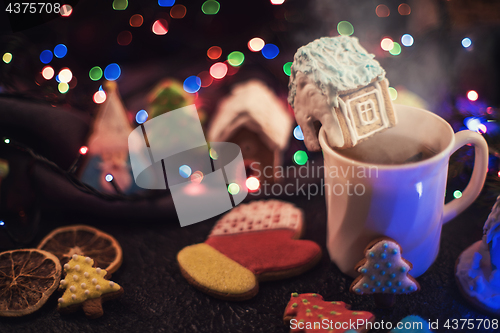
310 313
260 236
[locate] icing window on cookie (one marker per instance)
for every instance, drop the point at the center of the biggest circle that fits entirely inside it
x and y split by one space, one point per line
366 112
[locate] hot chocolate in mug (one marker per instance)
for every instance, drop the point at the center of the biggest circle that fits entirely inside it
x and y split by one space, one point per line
393 184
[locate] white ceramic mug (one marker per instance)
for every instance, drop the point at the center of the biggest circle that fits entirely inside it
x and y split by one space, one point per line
404 201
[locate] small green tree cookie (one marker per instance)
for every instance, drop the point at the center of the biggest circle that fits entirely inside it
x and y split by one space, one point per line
86 287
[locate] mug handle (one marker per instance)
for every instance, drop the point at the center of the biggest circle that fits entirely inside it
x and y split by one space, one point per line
476 182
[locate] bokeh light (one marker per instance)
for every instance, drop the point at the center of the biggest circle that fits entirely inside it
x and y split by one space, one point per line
109 177
206 79
197 177
48 72
345 28
185 171
277 2
7 57
393 93
457 194
112 72
233 188
396 49
136 20
160 27
192 84
178 11
166 3
297 133
218 70
60 50
407 40
84 150
287 68
466 42
300 157
65 75
99 97
472 95
382 11
124 38
210 7
270 51
95 73
472 123
256 44
63 87
120 4
66 10
386 44
235 58
214 52
213 154
141 116
252 183
482 128
46 56
404 9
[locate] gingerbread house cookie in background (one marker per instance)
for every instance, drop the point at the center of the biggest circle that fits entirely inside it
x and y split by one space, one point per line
336 82
254 118
478 267
108 144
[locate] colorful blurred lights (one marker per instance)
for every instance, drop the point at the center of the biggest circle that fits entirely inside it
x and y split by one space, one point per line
112 72
166 3
95 73
197 177
48 72
160 27
120 4
65 75
60 50
386 44
287 68
124 38
345 28
63 87
235 58
404 9
270 51
300 157
466 42
7 57
407 40
252 183
382 11
482 128
141 116
66 10
393 93
472 95
233 188
297 133
185 171
472 123
178 11
457 194
256 44
277 2
396 49
84 150
99 97
136 20
109 177
218 70
214 52
192 84
46 56
210 7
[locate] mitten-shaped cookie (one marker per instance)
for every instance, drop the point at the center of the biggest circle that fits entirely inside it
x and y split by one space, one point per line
253 242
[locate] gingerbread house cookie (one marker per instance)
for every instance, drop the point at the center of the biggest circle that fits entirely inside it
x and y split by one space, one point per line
336 82
254 118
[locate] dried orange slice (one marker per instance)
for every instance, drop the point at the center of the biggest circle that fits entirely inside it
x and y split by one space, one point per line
27 278
85 241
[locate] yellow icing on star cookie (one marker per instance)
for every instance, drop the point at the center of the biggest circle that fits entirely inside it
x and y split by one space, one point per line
215 271
84 282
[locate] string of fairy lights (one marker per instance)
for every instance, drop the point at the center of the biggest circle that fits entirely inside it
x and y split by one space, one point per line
220 67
